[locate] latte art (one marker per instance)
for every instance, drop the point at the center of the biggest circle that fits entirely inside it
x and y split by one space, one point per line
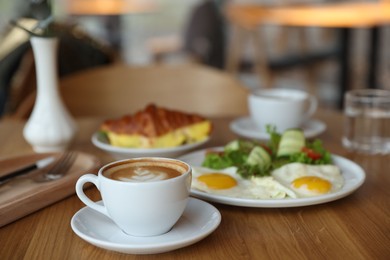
145 175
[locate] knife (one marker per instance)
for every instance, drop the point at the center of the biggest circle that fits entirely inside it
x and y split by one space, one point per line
42 163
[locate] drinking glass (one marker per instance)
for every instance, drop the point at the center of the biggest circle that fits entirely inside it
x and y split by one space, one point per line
367 121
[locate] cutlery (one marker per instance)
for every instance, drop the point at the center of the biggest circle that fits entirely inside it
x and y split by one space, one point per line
59 169
40 164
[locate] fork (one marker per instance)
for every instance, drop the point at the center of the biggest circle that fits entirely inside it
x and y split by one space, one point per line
60 167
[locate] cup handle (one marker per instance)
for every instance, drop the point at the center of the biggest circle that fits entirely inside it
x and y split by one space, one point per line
87 201
313 104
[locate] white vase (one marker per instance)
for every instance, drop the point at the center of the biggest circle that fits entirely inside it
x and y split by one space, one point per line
50 127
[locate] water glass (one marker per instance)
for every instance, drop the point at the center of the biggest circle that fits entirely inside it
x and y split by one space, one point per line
367 121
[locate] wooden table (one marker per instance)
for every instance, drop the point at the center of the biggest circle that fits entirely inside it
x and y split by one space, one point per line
342 15
355 227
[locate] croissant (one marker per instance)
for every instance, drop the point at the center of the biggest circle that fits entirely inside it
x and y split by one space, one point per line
156 127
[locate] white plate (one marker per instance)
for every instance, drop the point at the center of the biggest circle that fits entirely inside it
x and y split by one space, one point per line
353 174
123 153
244 126
198 221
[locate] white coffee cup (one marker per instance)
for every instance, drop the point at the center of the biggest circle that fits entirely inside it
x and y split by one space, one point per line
282 108
144 204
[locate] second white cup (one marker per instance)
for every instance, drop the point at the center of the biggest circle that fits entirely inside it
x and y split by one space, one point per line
282 108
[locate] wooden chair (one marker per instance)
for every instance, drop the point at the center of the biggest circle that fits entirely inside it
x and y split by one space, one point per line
248 23
345 16
112 91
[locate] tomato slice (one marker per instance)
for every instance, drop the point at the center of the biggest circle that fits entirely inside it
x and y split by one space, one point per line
311 153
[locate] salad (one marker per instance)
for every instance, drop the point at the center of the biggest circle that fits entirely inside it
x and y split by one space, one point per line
253 158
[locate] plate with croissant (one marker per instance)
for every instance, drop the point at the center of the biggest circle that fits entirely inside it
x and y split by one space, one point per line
153 131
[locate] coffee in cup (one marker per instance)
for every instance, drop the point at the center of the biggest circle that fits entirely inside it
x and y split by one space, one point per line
282 108
142 196
141 173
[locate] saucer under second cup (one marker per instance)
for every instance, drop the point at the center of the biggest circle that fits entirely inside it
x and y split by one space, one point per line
245 127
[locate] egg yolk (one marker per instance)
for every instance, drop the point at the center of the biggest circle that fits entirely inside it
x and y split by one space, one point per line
218 181
313 184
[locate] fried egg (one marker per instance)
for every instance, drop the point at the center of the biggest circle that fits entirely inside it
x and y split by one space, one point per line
309 180
228 183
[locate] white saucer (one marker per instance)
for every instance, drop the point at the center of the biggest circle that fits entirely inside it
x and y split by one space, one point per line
244 126
199 220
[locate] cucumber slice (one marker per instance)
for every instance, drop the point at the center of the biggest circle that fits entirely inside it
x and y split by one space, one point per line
242 145
232 146
291 142
259 156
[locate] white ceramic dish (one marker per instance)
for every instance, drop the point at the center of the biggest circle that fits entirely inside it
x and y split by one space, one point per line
353 174
123 153
198 221
245 127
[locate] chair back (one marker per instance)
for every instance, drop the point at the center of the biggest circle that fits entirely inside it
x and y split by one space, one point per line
116 90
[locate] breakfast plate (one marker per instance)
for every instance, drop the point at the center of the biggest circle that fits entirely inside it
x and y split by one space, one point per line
244 126
119 153
198 221
353 174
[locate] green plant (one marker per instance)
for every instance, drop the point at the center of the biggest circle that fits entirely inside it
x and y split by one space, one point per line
42 12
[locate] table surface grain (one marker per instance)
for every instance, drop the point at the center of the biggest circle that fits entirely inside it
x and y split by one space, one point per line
355 227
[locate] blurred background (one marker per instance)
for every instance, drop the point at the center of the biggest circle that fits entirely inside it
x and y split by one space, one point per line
144 32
